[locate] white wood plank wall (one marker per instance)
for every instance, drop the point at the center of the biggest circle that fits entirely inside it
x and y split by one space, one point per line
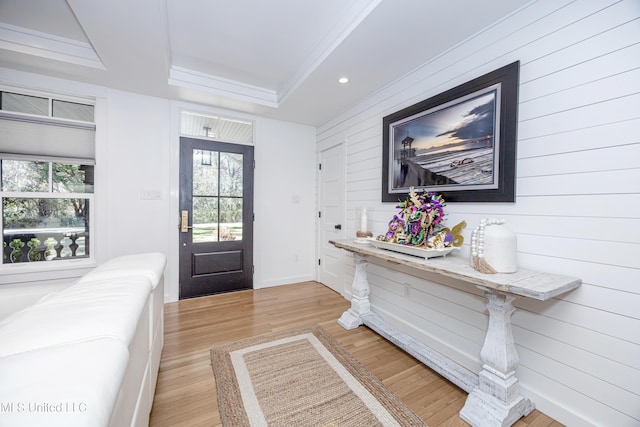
577 210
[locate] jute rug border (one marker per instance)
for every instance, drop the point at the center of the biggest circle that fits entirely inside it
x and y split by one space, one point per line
228 389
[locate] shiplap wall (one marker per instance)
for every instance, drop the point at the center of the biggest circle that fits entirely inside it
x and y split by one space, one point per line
577 210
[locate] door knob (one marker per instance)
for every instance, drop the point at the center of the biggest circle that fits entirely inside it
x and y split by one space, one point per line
338 226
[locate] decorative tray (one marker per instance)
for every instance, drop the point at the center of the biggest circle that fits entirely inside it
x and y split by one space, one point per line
412 250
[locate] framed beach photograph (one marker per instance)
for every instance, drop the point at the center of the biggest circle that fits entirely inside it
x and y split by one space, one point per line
460 143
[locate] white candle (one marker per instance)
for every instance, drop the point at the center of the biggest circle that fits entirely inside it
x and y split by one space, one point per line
363 220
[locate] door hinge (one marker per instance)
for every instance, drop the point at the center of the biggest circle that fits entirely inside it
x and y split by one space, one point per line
253 269
318 261
319 166
319 214
254 164
253 217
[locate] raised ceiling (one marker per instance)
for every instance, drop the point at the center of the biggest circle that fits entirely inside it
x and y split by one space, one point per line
276 58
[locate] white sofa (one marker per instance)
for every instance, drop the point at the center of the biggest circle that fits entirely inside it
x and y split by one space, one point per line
87 354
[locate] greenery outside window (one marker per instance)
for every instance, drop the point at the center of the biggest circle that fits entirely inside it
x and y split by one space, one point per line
45 210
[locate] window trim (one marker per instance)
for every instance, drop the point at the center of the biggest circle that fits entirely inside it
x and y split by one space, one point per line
67 268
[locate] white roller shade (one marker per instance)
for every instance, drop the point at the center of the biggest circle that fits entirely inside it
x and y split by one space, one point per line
45 137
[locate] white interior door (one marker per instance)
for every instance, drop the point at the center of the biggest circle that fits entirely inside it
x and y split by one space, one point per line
331 216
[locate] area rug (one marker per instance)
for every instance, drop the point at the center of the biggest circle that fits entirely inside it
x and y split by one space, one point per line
301 377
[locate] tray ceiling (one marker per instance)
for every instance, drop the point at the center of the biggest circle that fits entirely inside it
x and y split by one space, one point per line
276 58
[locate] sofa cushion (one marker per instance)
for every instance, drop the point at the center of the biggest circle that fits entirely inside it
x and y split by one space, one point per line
17 296
150 265
80 312
69 385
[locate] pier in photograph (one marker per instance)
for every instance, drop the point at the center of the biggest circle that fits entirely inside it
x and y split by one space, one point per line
467 167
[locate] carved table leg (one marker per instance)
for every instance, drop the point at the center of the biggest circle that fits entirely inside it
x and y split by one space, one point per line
497 400
360 304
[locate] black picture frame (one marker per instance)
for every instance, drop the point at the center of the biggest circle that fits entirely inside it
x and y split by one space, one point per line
460 143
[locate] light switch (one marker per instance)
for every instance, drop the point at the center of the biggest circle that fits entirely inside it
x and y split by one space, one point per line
150 195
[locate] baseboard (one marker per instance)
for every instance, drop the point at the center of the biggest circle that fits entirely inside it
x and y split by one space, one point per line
556 411
283 281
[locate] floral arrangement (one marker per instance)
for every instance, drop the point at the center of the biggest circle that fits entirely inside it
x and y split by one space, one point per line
419 223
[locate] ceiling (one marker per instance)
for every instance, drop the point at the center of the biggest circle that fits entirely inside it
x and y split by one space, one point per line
277 58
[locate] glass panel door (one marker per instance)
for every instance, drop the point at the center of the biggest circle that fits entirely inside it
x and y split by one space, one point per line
216 217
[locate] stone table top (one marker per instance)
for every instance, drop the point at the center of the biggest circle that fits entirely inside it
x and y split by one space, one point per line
526 283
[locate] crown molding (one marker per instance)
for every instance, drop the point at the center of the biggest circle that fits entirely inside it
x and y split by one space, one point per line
44 45
349 21
186 78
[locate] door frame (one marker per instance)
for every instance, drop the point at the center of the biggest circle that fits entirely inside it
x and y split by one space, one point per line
172 276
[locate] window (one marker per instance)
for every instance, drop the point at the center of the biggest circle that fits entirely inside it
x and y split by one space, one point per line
46 177
217 196
221 129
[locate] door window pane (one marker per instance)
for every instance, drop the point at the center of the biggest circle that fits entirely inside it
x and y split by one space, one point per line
205 219
231 174
230 218
205 173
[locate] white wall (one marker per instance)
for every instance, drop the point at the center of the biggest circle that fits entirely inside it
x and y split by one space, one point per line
577 210
137 149
137 146
284 251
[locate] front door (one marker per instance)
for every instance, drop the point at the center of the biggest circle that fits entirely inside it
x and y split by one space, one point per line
216 217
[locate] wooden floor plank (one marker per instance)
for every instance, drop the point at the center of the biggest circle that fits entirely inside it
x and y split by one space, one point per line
186 392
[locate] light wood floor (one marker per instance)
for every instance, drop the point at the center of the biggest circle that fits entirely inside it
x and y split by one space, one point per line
186 392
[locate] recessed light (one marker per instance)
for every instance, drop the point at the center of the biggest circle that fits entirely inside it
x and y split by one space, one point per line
343 80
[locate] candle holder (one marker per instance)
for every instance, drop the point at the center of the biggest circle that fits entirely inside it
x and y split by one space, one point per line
363 225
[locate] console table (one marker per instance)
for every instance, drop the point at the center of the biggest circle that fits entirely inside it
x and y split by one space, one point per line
494 398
